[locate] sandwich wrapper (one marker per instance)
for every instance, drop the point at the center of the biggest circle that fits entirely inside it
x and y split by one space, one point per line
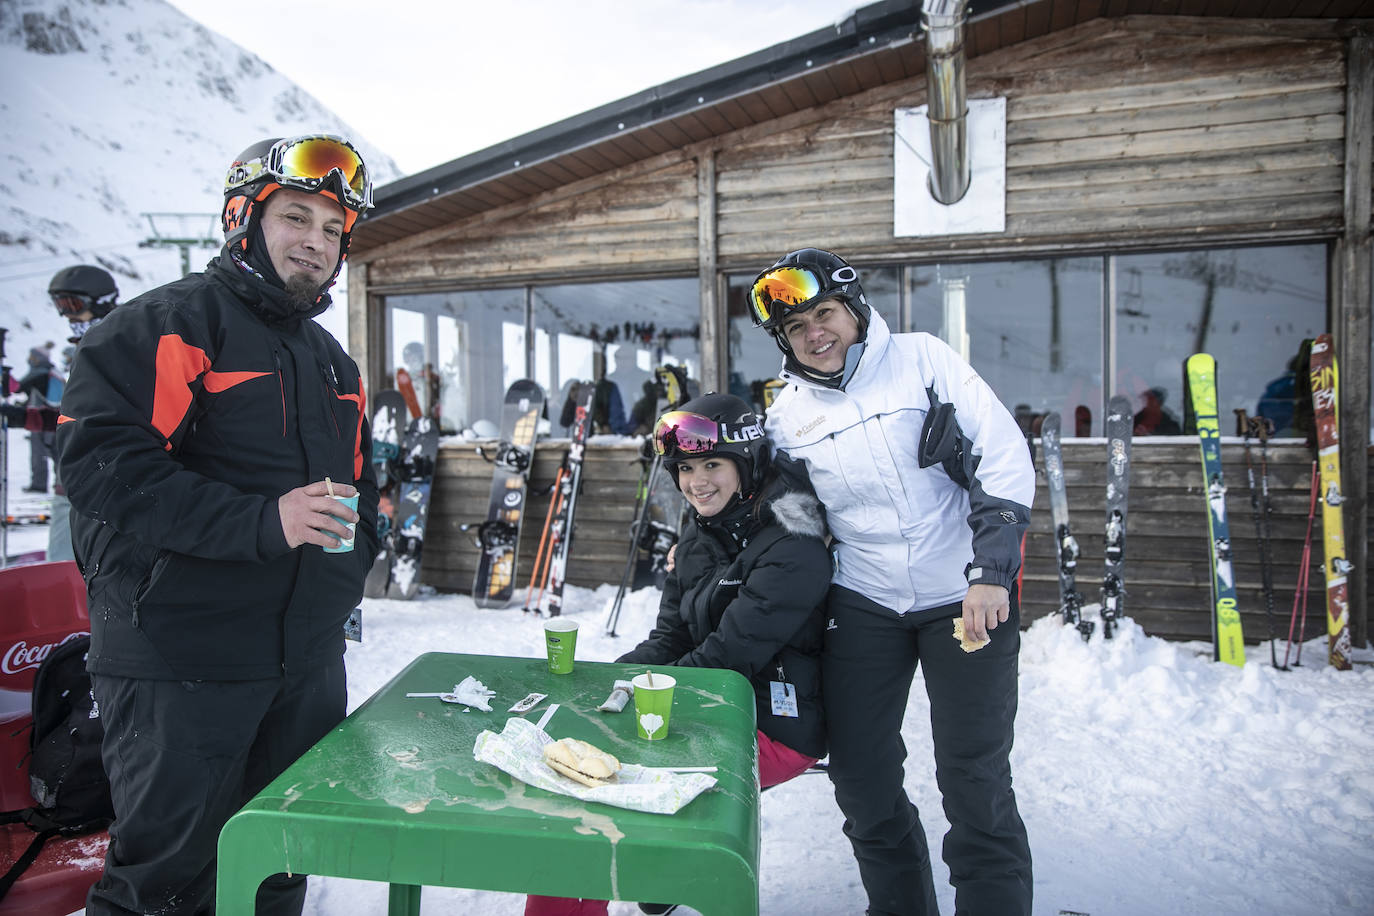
519 751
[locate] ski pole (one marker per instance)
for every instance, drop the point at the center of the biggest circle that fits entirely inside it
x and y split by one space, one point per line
636 530
1303 570
1264 426
1248 425
4 457
548 559
543 539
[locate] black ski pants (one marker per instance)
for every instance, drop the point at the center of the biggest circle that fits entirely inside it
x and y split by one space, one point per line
182 757
870 658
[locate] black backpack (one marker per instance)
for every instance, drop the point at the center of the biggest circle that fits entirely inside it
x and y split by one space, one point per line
66 776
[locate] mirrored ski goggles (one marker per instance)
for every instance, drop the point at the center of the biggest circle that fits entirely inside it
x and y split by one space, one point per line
780 290
682 432
70 304
307 163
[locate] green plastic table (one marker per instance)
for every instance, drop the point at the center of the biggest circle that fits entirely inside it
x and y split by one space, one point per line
394 794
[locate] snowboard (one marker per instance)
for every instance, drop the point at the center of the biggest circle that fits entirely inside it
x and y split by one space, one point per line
415 477
388 408
407 389
1227 642
1325 392
499 536
1070 601
1119 423
561 524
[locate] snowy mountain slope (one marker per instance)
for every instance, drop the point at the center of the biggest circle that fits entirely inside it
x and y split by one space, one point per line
115 108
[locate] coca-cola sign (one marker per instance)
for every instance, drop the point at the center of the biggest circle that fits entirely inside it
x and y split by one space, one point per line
21 656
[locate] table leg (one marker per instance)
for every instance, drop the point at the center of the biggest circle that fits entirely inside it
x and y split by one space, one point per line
403 900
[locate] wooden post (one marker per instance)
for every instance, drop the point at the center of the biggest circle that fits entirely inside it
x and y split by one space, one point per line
364 329
715 357
1355 297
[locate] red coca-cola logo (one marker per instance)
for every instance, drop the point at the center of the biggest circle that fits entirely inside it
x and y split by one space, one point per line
21 656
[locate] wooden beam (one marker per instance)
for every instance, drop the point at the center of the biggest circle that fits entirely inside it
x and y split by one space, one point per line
1354 253
714 329
364 336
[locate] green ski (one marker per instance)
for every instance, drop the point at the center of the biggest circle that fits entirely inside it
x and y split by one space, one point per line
1227 643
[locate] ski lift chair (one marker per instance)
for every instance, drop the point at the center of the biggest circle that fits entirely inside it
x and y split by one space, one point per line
43 603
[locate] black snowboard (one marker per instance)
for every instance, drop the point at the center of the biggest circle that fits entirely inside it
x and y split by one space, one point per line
388 411
499 535
415 475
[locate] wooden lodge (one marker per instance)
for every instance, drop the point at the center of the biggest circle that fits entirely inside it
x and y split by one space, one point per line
1146 179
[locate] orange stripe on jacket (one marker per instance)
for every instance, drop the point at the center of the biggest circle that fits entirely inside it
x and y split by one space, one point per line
178 364
217 382
361 400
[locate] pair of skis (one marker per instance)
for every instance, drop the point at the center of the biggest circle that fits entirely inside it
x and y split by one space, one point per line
1112 590
1226 629
545 592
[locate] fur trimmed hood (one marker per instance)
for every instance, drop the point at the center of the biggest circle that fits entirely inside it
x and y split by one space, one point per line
799 513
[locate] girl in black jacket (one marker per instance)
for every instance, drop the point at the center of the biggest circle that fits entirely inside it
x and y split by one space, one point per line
747 590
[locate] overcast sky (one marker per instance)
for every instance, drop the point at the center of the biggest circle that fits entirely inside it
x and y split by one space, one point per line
428 81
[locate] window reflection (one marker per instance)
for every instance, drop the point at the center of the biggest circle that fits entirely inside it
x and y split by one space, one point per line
468 347
463 349
1032 329
1250 308
616 334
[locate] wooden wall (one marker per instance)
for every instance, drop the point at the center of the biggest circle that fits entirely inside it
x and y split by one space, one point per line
1119 130
642 214
1167 565
605 514
1167 559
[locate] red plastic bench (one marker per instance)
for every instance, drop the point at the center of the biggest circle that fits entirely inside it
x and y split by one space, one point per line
45 603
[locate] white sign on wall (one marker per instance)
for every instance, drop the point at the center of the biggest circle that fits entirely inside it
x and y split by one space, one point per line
984 207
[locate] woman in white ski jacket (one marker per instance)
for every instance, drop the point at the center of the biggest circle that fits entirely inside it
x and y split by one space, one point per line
927 485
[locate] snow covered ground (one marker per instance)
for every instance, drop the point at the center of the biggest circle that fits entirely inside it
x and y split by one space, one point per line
1152 780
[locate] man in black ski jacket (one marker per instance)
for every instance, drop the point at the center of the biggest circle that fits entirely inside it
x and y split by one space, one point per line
203 429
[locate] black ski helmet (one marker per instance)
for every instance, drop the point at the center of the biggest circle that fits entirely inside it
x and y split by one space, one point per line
316 163
91 287
715 424
797 282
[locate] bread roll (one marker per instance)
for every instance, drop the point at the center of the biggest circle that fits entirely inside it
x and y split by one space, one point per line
966 643
581 761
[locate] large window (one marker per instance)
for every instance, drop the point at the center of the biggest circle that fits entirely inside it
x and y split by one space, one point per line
1066 334
463 349
618 331
1032 329
1250 308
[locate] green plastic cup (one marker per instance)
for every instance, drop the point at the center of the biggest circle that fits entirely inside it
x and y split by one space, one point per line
345 545
653 705
560 640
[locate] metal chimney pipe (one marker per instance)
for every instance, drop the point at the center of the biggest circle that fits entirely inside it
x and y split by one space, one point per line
947 98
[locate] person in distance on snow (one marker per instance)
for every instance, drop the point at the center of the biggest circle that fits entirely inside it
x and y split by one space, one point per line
747 590
82 294
203 427
927 486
